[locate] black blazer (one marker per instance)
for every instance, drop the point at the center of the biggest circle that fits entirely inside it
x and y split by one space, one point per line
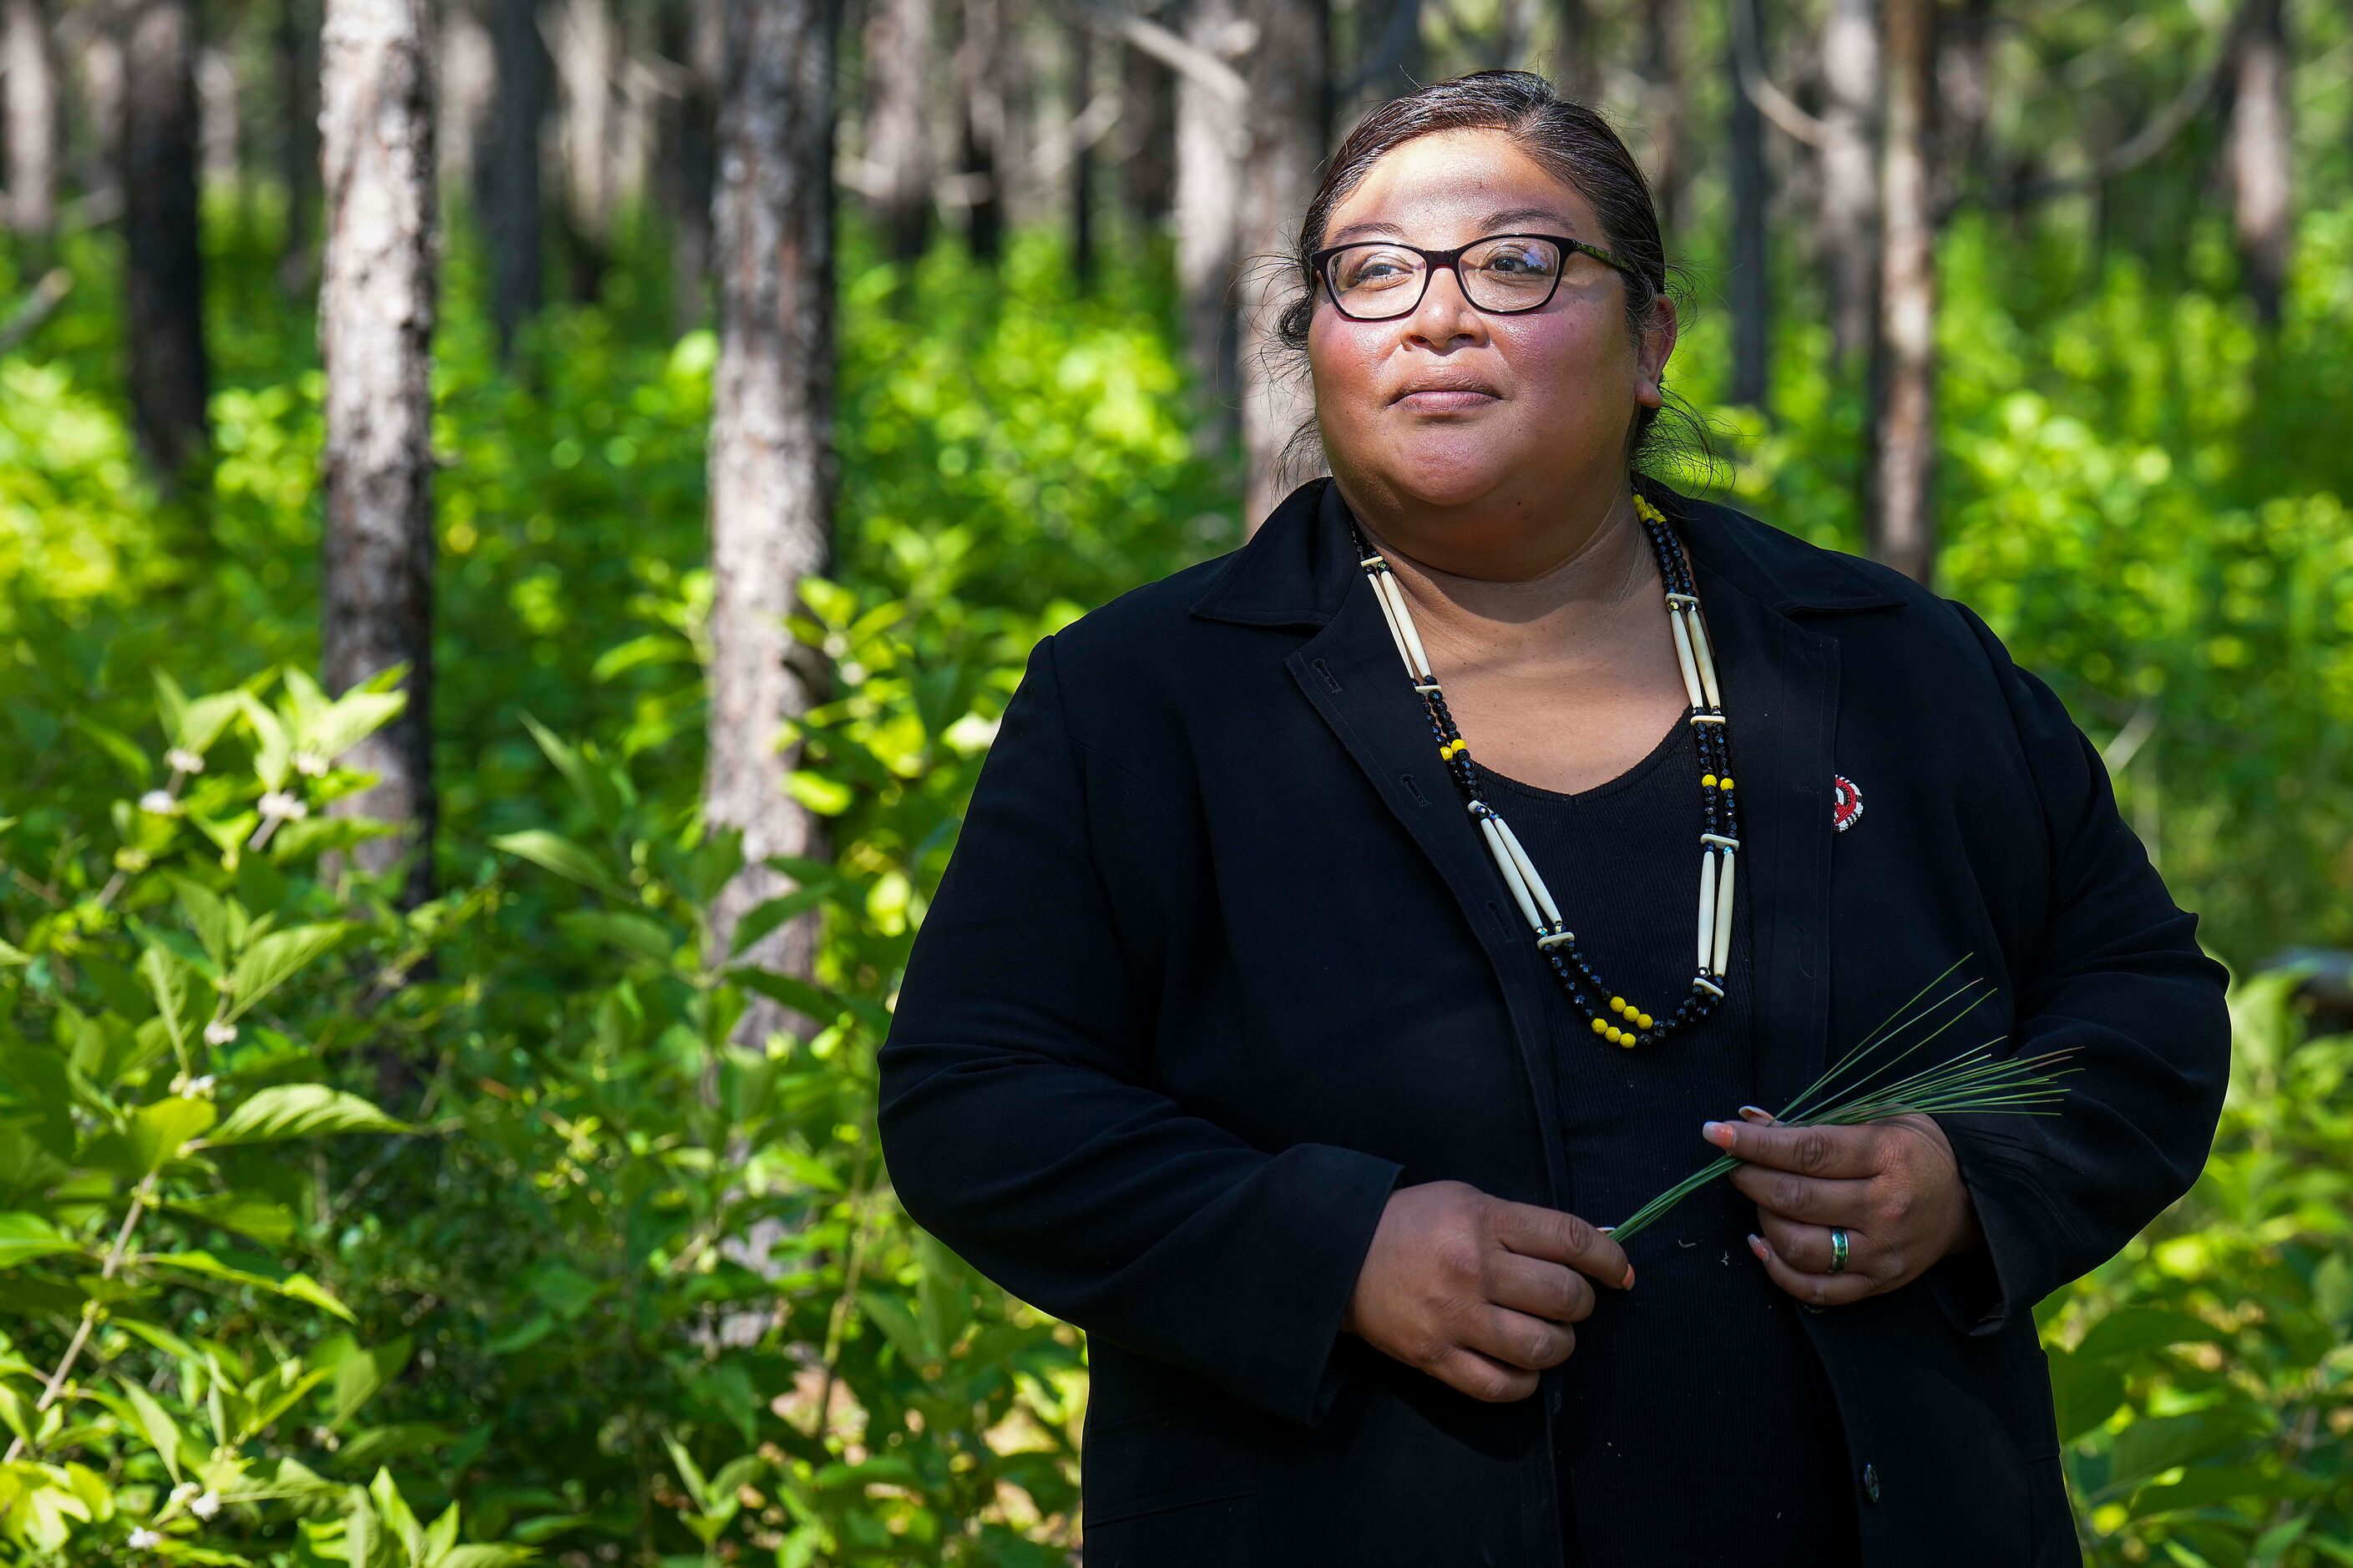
1158 1060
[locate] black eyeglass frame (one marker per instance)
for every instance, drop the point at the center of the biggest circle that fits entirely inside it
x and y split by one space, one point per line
1431 260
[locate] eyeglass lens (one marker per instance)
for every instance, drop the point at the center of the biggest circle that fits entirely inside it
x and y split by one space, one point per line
1377 279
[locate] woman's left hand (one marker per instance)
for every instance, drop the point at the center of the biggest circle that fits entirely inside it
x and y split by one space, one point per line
1893 1186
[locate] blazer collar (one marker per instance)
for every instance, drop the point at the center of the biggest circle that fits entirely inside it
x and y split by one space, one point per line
1297 569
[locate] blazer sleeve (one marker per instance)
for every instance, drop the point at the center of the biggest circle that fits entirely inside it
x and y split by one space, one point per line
1021 1126
2118 980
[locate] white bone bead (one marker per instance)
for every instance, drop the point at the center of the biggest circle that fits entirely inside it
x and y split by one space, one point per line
1703 983
1425 686
1708 718
1684 657
1372 561
1706 906
1397 634
1511 873
1556 938
1675 599
1528 869
1706 659
1723 915
1405 621
1719 838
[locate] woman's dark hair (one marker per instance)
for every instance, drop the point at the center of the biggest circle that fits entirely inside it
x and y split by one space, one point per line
1571 141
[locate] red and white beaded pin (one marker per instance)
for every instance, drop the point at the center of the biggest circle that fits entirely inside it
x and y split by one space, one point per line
1846 803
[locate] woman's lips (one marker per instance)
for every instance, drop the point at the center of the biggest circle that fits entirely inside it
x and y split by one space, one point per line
1445 400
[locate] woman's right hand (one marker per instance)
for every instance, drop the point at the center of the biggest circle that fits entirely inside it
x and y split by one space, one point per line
1476 1291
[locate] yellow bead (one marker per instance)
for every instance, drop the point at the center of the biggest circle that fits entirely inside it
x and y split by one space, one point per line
1642 1019
1615 1035
1627 1042
1617 1004
1600 1026
1727 781
1707 781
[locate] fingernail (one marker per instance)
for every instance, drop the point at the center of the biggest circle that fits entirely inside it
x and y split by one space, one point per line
1757 1113
1605 1229
1757 1246
1717 1132
1628 1285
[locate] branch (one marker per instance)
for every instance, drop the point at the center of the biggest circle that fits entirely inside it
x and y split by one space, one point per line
38 306
1403 27
2154 137
1177 53
1775 105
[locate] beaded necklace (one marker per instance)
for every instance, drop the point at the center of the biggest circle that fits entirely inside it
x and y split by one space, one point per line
1617 1020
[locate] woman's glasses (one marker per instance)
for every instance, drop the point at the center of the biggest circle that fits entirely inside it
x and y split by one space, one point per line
1502 274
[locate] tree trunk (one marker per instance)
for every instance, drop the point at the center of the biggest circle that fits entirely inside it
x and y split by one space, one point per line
376 301
32 123
220 161
1849 211
1147 164
1905 429
463 93
898 144
1577 75
1081 39
1962 101
1750 285
1212 139
1663 107
980 85
587 68
771 469
170 375
1289 85
695 36
2258 154
294 46
506 169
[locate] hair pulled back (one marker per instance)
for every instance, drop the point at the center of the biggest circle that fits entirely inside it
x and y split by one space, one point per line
1569 140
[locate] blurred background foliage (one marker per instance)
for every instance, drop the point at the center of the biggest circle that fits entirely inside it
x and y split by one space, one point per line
461 1233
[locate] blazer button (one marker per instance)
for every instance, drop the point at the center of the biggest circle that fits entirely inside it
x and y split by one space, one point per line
1871 1482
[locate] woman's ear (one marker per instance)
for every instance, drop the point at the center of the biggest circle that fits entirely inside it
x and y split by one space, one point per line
1653 348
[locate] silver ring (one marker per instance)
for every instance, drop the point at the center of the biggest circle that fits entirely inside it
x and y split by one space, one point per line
1838 1250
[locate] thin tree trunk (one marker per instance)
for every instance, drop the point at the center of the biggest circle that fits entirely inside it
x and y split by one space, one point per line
1577 74
2258 154
1905 430
898 143
1081 39
771 471
506 169
1849 195
294 46
32 122
587 67
1147 165
1289 81
695 36
95 40
1962 101
1212 140
376 303
1663 101
171 376
1750 285
467 85
980 85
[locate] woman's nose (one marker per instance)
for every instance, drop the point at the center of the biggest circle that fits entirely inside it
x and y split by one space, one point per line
1444 316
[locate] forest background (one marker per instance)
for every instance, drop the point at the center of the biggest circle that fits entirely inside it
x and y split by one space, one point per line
518 517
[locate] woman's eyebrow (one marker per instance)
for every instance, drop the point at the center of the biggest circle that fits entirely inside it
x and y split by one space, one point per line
1490 224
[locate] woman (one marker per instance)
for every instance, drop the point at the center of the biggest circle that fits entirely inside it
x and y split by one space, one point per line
1240 1035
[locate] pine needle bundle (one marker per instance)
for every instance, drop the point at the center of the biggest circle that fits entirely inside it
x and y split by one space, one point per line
1857 1087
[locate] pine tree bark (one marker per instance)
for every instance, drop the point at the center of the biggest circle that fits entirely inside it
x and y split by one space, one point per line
898 144
1663 101
587 69
1288 77
1750 284
294 48
1577 75
1904 427
170 374
376 307
1850 173
2258 154
1080 40
693 34
1147 147
771 469
508 197
32 122
1212 143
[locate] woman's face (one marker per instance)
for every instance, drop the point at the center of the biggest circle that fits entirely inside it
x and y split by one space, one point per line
1541 405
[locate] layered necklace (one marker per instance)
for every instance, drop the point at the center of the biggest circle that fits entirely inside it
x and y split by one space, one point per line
1614 1017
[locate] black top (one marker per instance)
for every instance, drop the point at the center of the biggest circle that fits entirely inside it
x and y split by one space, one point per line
1220 959
1702 1369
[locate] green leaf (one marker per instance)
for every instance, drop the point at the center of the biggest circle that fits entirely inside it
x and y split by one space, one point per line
160 1131
802 997
293 1287
118 745
168 977
271 1223
278 958
2155 1444
2133 1331
561 856
766 916
155 1423
362 1375
826 796
598 792
631 933
207 915
273 749
300 1110
25 1236
479 1556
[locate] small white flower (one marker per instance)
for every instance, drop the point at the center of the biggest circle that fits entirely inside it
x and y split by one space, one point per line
145 1540
183 1492
278 802
206 1506
219 1032
309 765
185 761
159 803
198 1088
